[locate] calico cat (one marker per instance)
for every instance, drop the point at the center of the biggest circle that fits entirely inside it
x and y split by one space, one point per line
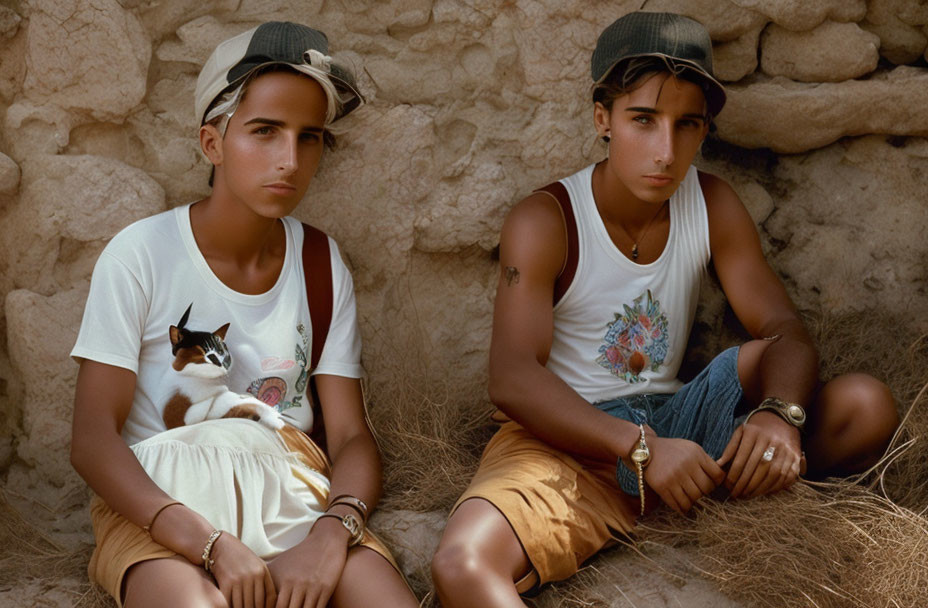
201 363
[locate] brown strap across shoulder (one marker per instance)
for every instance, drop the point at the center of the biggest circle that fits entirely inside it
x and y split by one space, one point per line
566 277
317 275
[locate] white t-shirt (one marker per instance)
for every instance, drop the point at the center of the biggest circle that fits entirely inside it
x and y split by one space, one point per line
149 274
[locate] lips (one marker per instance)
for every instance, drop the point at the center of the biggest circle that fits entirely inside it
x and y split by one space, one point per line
658 179
280 188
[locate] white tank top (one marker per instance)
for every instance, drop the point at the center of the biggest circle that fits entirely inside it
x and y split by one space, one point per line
621 328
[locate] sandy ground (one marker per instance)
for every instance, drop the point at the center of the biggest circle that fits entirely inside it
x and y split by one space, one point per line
619 578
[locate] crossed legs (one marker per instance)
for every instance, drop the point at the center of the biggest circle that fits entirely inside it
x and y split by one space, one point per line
480 556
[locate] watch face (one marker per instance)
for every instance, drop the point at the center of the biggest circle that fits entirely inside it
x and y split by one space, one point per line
641 455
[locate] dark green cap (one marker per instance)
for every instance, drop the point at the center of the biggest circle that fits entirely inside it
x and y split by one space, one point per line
667 35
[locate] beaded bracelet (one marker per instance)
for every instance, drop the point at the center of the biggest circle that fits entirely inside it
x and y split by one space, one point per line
208 549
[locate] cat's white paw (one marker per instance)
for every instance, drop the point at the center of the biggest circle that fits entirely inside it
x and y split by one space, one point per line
271 418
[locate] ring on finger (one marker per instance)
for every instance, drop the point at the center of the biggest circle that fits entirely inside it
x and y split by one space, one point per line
768 454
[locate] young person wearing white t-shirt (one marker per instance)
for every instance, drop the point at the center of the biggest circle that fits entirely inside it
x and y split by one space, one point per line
229 511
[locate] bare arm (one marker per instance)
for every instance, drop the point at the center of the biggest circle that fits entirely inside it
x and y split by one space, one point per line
99 455
788 368
532 253
308 573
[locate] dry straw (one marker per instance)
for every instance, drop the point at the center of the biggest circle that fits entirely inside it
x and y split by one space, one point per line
838 544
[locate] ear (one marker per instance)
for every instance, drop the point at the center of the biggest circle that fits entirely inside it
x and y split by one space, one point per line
221 332
175 335
211 143
601 119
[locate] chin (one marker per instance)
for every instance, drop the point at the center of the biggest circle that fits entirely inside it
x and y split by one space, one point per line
276 209
656 195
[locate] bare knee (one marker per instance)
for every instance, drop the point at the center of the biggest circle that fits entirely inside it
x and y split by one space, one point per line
456 565
170 582
199 598
858 404
854 419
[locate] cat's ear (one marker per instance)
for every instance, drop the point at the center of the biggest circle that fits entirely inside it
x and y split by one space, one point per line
175 335
221 332
183 319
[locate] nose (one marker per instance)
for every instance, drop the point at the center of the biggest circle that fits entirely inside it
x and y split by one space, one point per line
288 155
664 147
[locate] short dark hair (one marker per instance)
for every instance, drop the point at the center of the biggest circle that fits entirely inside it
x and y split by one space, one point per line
630 74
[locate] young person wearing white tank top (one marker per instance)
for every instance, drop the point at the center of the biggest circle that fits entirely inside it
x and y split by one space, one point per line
599 279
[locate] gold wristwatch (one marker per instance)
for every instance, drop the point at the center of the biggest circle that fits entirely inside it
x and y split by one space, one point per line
790 412
641 456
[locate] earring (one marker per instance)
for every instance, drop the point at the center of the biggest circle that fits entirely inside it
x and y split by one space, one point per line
605 139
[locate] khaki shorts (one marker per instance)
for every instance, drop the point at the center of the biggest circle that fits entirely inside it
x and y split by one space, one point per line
563 509
120 544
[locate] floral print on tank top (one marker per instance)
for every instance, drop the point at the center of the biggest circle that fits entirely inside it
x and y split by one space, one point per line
636 341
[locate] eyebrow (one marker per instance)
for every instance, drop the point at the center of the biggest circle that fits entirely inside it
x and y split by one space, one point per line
644 110
279 123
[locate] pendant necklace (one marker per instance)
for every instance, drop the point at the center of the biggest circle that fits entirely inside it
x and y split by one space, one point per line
643 232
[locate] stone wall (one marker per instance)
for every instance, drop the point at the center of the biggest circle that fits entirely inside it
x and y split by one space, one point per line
472 103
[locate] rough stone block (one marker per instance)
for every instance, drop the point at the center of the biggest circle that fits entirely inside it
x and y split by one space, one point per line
801 15
87 198
40 333
411 536
9 174
849 243
832 52
734 60
163 18
898 24
9 22
724 19
900 43
88 56
792 117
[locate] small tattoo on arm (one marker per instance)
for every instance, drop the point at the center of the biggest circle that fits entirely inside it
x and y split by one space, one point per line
512 275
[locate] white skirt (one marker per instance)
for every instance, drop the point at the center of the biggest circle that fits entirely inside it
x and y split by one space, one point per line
243 478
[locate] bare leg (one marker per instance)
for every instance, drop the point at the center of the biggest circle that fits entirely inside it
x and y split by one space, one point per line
370 580
171 581
849 425
478 559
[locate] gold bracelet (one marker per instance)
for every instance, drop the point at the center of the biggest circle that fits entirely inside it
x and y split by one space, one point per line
351 523
157 513
208 549
641 456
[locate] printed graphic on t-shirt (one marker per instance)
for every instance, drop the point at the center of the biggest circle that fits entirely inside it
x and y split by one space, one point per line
636 341
273 389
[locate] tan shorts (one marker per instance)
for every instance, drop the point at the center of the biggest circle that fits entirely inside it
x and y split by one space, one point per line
562 509
120 544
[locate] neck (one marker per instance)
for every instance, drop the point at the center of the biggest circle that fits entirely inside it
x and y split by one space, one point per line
616 203
234 232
